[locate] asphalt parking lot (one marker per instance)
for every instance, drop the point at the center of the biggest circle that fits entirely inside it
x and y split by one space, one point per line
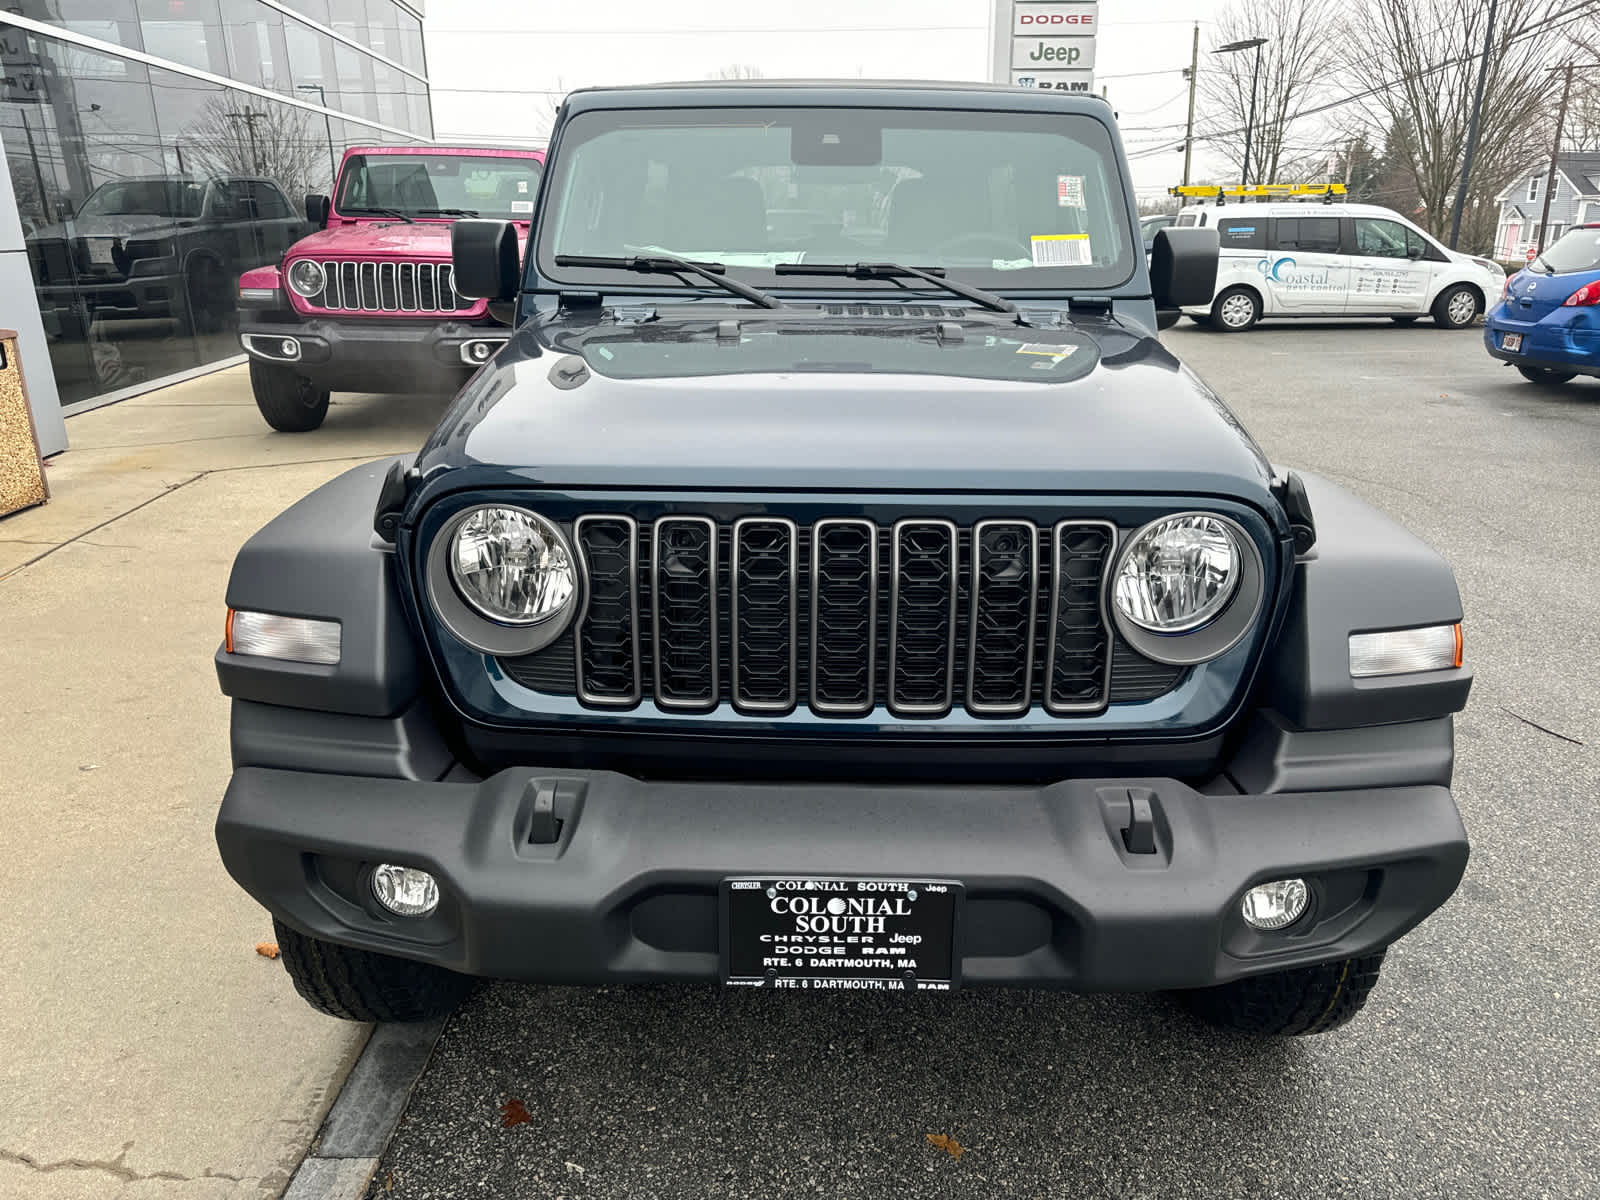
1475 1070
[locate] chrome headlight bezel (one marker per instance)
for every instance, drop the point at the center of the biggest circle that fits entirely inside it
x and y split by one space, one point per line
300 264
473 626
1218 632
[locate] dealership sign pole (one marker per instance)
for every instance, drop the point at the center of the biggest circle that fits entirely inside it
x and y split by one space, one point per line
1044 44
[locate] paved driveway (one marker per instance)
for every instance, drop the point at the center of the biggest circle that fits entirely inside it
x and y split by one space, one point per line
1475 1070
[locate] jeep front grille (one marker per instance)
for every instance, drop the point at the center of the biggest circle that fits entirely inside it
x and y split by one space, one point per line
843 616
390 287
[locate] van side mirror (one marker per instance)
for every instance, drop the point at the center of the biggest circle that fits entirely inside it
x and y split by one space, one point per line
317 210
1183 267
1413 251
486 260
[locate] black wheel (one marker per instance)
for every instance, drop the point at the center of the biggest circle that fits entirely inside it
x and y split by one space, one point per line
1235 310
206 291
1408 320
1546 376
1456 307
1290 1003
358 985
291 403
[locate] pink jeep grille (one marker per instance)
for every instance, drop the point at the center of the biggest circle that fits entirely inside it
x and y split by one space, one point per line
388 286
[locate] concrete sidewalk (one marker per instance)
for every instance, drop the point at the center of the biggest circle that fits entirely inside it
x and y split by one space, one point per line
147 1049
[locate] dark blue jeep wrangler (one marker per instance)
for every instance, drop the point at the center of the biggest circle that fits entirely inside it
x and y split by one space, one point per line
833 583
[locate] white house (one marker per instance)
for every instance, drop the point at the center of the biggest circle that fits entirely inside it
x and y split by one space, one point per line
1574 200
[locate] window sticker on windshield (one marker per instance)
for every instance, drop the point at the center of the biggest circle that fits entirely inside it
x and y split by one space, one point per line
1060 249
522 206
1047 350
1069 191
522 186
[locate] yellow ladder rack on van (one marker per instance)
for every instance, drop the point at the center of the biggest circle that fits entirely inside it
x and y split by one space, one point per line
1259 191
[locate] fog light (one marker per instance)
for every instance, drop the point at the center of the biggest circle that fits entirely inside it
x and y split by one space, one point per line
405 891
289 348
1275 905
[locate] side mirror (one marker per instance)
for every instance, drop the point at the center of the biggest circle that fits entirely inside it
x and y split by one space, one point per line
1183 267
317 210
1413 251
486 260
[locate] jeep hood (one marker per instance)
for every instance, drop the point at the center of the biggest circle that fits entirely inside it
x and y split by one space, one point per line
781 404
384 239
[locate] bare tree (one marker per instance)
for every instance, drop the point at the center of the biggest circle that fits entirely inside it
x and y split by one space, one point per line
1582 130
1419 61
233 137
1296 61
737 71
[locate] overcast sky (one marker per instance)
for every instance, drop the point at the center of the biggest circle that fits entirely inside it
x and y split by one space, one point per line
496 66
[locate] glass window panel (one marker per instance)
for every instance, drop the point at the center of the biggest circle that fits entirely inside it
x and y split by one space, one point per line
257 53
356 82
185 31
383 20
317 10
411 54
109 20
390 86
421 122
349 17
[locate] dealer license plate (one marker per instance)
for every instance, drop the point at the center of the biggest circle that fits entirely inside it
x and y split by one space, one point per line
821 934
1511 341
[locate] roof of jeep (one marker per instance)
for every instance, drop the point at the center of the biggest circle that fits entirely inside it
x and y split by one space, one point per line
883 93
494 151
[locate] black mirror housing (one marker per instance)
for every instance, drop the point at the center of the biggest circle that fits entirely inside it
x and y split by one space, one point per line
317 210
486 259
1183 267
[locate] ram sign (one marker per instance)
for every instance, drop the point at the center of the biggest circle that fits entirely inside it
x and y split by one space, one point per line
1044 43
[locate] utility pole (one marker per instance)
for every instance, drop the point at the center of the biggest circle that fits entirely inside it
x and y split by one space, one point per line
250 116
1472 131
1194 75
1550 179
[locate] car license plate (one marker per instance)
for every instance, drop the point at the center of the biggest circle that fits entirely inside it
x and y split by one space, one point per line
821 934
1511 341
100 252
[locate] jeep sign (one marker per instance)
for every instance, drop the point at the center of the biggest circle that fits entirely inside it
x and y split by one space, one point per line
1044 43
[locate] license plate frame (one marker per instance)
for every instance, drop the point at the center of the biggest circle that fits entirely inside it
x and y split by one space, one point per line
859 943
1511 343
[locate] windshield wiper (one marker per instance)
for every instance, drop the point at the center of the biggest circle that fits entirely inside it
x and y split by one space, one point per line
447 212
895 271
665 264
382 212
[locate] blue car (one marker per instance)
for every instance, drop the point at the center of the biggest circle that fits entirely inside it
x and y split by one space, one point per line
1547 323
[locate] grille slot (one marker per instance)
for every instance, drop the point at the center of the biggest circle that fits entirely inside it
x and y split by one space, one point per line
684 572
388 286
922 622
1004 606
844 616
1079 655
765 571
607 641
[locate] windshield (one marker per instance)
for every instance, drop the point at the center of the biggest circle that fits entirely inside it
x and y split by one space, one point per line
440 185
146 198
1579 250
996 198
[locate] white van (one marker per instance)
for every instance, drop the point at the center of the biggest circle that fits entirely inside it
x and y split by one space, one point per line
1336 260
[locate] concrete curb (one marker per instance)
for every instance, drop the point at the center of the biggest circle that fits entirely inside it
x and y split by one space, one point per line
358 1126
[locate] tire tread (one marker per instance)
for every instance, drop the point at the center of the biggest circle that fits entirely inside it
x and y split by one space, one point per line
360 985
1293 1003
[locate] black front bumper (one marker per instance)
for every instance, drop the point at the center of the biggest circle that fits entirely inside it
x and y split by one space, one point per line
375 355
629 890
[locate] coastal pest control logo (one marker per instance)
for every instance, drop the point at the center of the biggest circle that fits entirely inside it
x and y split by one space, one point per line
1284 271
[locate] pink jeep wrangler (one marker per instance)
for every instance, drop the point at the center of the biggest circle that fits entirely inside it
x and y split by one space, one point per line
368 303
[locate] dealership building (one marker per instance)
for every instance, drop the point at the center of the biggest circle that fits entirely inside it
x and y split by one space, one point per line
155 149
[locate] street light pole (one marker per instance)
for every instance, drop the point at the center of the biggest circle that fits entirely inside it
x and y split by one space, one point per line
1194 75
1255 44
322 98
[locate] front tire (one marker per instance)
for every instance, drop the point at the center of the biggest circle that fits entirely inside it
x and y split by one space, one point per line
1236 310
359 985
1546 376
1456 307
290 403
1292 1003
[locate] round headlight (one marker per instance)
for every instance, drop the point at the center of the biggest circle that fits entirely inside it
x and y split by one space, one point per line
511 565
1177 573
306 278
